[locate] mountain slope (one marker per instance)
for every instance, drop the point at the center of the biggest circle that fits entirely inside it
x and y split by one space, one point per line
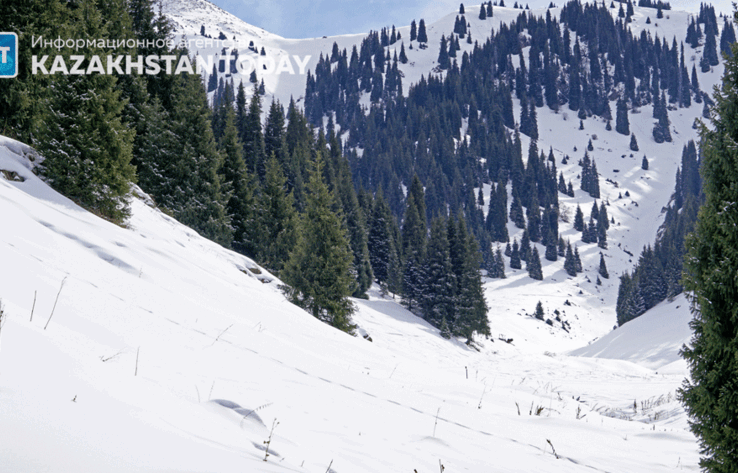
152 321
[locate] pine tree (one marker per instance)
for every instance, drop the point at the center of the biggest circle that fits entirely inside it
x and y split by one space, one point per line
482 13
422 35
539 314
240 206
570 265
380 243
533 265
515 262
709 393
578 260
471 305
413 241
86 147
579 220
633 142
318 272
644 163
603 267
274 234
439 284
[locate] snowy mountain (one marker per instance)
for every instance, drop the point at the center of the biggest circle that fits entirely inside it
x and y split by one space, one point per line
153 349
150 348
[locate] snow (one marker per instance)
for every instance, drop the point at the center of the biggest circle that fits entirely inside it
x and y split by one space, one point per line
166 352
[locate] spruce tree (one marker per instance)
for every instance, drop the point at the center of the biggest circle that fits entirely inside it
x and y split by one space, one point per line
86 147
570 265
318 272
538 313
422 35
579 219
274 234
439 284
709 277
533 265
603 267
633 142
471 305
515 262
240 206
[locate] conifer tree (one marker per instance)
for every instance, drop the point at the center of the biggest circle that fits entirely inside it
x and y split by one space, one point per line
471 305
579 219
318 272
515 262
570 265
439 285
422 35
482 12
276 220
578 260
539 314
603 267
709 393
413 241
633 142
644 163
240 206
533 265
86 147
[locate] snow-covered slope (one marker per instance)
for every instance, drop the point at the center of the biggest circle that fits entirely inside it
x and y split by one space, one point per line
151 324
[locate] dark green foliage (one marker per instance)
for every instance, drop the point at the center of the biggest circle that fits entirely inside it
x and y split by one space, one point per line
533 265
570 265
381 244
709 394
727 38
661 132
633 143
482 13
539 314
318 272
579 220
577 260
439 284
644 163
497 269
413 241
86 147
603 267
240 206
274 234
422 35
515 262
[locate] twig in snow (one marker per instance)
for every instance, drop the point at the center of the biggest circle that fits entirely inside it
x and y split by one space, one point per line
220 335
269 440
329 466
57 300
33 307
434 425
135 373
553 449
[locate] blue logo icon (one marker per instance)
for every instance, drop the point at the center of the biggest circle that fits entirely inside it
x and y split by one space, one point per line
8 55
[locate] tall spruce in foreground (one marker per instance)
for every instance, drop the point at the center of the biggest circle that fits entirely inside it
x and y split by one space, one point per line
709 396
86 146
318 272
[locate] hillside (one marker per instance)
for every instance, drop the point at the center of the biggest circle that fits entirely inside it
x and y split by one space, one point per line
154 323
146 347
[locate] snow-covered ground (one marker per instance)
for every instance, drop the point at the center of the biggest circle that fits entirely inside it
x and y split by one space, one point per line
168 353
153 324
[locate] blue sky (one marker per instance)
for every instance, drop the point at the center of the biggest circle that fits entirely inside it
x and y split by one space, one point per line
310 18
